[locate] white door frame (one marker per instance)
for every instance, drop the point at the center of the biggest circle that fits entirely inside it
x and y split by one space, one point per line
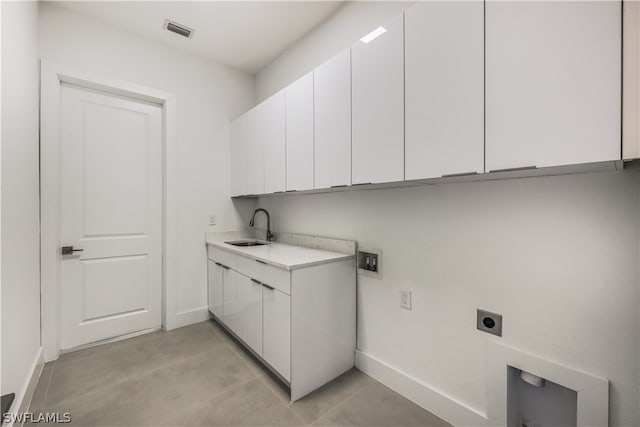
52 75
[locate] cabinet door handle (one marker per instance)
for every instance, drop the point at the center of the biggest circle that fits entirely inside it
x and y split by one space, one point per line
68 250
261 262
523 168
218 264
256 282
453 175
271 288
225 267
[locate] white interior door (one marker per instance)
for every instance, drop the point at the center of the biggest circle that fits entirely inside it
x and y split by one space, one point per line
111 212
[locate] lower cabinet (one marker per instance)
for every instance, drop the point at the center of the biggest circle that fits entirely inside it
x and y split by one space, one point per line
214 294
252 316
232 309
300 322
276 329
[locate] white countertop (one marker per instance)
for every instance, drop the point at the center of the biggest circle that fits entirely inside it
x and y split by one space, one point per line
282 255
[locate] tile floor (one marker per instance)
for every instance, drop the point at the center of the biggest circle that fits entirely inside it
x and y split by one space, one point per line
199 375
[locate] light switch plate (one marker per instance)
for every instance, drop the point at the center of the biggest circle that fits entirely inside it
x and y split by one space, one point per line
374 270
212 220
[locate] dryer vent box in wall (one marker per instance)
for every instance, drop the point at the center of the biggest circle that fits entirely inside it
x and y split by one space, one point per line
489 322
369 262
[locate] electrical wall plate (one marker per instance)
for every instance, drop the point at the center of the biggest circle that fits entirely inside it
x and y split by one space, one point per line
405 299
374 268
489 322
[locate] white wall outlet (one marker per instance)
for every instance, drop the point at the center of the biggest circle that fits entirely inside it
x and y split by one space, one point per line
212 220
405 299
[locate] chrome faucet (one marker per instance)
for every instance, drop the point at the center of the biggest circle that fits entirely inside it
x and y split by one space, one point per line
269 234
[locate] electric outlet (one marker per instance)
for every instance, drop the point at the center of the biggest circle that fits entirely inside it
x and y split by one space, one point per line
489 322
405 299
212 220
369 262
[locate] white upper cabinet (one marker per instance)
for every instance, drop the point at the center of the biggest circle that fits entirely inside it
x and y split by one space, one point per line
299 134
378 107
552 83
258 149
448 88
332 117
239 142
272 132
444 83
254 151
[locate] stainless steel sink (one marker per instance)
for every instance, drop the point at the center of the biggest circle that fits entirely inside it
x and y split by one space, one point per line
246 243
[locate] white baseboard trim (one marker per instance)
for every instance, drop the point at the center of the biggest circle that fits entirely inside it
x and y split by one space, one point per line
25 394
185 318
431 399
110 340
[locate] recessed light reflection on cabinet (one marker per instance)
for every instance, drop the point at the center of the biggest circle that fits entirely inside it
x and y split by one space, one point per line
373 35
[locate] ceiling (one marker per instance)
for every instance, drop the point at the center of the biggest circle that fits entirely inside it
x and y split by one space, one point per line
247 35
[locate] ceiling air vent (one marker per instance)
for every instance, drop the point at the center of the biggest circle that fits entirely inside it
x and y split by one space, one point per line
180 29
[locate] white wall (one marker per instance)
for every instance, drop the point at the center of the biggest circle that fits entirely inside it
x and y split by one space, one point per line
208 96
556 256
20 196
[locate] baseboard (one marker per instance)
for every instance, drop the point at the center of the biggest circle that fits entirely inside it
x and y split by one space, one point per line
186 318
110 340
434 401
25 394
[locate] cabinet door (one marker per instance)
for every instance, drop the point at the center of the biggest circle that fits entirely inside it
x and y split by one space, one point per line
272 133
378 107
332 121
444 81
299 134
276 324
251 294
254 147
215 299
232 310
552 83
239 143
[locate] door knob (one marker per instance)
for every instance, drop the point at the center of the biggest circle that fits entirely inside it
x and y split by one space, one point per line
68 250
